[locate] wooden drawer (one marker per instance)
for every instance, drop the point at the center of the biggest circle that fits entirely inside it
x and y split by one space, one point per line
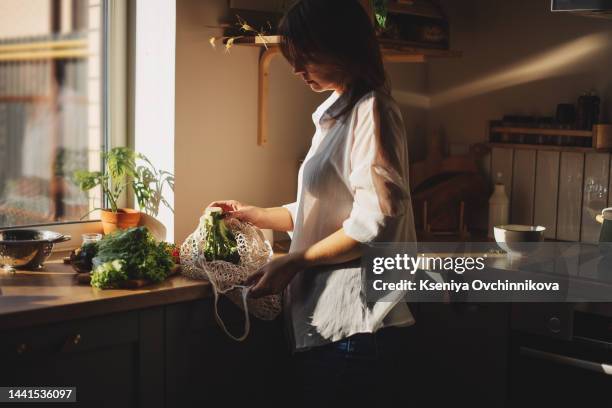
70 337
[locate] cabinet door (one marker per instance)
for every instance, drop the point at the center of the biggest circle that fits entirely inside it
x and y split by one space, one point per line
204 366
98 356
464 353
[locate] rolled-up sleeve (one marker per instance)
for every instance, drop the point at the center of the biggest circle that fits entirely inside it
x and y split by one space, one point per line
292 207
375 177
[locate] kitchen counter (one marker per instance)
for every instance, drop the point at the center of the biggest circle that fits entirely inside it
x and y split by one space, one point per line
53 295
157 346
29 298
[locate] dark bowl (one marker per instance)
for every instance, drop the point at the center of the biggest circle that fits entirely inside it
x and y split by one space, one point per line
26 248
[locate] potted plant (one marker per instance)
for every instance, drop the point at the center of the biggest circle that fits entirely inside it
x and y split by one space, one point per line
125 168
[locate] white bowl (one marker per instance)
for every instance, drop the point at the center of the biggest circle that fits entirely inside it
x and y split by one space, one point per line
511 238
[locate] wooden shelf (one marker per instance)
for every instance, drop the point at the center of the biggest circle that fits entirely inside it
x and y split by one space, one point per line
543 131
393 52
395 49
259 41
521 146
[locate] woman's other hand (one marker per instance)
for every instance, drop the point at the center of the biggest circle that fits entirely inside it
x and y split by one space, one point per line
243 212
273 277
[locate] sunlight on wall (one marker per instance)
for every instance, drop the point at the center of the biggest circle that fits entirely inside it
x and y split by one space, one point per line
562 60
154 91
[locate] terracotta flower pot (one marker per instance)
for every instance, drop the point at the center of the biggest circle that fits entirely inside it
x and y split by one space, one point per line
123 219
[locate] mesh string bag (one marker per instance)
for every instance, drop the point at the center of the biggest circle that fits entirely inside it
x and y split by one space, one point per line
227 278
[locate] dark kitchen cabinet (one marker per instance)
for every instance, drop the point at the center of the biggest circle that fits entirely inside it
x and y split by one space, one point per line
204 366
94 355
464 353
176 356
166 356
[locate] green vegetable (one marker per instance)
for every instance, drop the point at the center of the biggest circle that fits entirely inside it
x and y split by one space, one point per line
109 275
140 255
380 11
220 242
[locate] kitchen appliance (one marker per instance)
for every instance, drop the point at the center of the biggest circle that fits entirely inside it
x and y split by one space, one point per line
590 8
27 248
551 370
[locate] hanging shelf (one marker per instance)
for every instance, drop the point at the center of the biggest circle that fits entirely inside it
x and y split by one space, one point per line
392 52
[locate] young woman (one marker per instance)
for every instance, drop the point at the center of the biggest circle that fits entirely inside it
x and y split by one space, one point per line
352 190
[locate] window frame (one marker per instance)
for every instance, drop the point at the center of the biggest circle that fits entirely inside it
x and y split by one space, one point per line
116 18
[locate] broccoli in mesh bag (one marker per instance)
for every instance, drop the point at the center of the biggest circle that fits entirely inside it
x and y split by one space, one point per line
220 244
225 252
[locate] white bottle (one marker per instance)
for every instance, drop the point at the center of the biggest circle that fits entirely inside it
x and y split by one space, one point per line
498 206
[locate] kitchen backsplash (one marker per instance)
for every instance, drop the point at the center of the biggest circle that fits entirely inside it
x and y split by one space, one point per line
561 190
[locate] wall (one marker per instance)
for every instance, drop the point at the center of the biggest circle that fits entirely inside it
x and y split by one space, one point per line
519 58
216 94
154 91
216 106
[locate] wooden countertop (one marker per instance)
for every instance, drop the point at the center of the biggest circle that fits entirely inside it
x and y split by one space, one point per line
52 295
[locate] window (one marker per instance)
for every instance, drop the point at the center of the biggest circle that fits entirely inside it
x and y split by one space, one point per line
51 108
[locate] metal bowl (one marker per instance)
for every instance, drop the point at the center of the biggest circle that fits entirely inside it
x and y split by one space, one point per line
26 248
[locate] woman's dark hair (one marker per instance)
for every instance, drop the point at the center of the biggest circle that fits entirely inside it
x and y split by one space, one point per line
338 33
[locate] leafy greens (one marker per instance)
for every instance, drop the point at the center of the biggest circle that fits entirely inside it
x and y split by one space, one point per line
130 254
220 242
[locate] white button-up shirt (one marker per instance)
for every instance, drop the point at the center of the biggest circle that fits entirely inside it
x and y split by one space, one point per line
355 176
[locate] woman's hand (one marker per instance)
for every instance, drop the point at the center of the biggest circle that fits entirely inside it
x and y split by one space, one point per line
243 212
274 277
276 218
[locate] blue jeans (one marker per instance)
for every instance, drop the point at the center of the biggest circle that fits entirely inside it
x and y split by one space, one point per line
359 371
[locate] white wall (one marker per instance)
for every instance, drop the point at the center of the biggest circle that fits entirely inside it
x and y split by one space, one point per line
154 75
519 58
216 106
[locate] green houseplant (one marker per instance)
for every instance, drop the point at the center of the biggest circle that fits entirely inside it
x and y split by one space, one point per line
125 168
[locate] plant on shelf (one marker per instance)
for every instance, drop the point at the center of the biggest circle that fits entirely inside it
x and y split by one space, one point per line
380 13
125 168
247 31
